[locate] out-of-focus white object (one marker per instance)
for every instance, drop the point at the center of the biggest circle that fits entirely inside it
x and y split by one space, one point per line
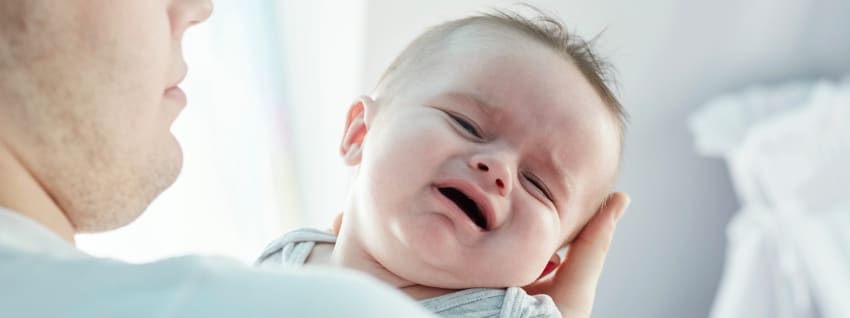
788 151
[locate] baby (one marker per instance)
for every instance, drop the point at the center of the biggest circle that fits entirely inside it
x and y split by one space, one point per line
487 145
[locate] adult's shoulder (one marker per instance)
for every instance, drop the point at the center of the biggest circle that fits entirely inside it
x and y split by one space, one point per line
41 285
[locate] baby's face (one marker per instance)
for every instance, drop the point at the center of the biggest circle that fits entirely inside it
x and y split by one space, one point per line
480 167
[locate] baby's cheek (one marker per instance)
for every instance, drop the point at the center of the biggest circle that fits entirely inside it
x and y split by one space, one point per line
531 271
531 260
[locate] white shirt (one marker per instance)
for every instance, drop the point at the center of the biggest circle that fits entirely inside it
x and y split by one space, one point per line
42 275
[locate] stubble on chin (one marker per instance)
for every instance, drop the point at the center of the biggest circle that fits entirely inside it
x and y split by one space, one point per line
103 196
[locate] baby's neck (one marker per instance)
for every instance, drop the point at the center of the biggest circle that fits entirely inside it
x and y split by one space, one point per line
344 255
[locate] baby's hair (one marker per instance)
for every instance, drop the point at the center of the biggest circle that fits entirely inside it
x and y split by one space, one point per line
542 28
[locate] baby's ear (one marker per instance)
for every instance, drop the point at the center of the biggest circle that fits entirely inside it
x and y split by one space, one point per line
355 130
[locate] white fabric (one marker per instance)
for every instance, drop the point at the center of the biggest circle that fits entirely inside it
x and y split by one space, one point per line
788 150
43 276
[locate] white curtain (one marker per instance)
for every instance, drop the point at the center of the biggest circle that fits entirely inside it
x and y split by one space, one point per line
788 151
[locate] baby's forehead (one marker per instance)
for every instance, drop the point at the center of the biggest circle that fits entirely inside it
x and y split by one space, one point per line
475 55
461 45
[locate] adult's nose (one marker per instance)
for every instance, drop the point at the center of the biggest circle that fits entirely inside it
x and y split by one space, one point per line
187 13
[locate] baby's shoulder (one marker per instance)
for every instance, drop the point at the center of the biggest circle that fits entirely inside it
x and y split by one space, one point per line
293 248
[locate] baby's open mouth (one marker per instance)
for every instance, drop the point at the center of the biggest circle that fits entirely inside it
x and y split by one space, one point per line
467 205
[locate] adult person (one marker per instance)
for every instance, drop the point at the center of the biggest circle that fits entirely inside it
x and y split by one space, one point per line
88 92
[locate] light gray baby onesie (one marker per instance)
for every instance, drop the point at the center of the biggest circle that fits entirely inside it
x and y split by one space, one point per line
291 251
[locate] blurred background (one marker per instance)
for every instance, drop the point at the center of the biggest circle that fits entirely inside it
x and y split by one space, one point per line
704 82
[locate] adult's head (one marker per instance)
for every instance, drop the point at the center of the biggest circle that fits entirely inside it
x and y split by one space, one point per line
87 98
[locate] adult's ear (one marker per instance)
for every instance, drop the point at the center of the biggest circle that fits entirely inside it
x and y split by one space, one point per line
351 147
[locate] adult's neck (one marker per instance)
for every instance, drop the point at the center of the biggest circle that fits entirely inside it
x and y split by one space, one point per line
22 193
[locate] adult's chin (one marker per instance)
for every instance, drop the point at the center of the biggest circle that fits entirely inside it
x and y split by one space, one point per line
123 200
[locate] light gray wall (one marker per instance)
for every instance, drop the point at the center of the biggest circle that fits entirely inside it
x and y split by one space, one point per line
668 255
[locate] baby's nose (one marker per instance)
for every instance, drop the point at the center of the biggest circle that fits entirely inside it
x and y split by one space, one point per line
496 173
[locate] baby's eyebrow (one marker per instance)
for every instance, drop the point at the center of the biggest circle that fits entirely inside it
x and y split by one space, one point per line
564 179
480 104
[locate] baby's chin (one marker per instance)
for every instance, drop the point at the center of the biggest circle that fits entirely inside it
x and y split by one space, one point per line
468 278
429 259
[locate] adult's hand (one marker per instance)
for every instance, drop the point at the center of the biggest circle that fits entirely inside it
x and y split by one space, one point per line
337 224
573 285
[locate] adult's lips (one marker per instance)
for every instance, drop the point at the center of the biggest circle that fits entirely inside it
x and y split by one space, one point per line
178 78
